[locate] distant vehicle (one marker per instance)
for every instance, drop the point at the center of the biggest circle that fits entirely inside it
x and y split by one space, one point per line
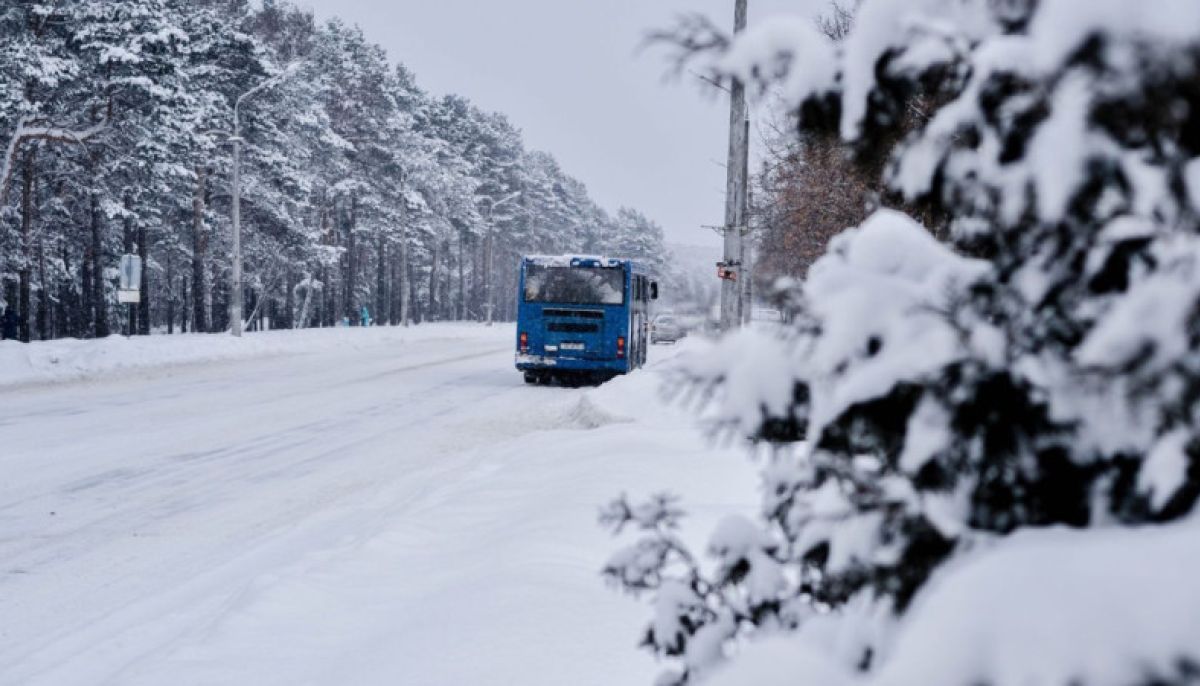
582 318
666 328
766 314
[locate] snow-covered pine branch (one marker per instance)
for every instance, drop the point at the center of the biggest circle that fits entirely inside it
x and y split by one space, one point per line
28 130
1037 371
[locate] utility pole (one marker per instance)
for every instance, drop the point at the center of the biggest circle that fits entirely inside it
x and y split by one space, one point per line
745 250
735 193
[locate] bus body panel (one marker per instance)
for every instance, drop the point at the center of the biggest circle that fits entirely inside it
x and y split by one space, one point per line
602 338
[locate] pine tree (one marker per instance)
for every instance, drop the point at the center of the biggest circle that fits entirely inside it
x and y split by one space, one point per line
358 188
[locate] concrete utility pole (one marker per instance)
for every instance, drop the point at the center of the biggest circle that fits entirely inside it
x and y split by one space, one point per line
745 251
235 295
735 193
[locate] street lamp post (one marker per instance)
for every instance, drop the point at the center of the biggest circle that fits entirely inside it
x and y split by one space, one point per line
235 300
492 205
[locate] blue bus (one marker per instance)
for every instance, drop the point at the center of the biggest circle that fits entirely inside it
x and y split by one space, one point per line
582 319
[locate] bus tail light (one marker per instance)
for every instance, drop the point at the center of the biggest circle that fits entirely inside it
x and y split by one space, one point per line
620 347
524 345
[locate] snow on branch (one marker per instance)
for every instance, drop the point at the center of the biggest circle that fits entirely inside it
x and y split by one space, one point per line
28 131
987 399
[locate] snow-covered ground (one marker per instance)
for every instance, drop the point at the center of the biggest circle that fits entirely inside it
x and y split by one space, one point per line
69 359
334 507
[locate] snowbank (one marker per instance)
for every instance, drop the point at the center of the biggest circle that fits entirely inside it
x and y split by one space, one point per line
1053 606
781 661
72 359
1102 608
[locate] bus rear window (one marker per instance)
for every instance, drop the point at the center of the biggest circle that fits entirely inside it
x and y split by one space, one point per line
575 285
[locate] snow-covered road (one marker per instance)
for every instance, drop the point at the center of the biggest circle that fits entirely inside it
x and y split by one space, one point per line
406 512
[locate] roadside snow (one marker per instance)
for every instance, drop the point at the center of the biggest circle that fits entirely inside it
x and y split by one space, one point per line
71 359
781 661
1103 608
1052 606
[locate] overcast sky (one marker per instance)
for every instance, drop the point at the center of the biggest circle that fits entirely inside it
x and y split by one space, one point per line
568 73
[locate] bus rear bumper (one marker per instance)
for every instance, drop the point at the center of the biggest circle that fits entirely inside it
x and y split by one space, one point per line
541 363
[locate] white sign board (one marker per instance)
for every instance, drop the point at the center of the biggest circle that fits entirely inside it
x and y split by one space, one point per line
130 289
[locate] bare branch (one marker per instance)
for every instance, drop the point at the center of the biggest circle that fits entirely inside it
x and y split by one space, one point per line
837 24
692 35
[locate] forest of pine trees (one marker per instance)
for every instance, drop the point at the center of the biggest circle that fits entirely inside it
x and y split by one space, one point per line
358 188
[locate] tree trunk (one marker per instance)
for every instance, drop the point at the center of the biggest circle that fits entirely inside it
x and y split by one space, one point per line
432 310
130 311
144 287
183 302
170 281
328 301
216 299
200 294
289 301
67 302
99 285
303 319
86 291
405 278
394 288
462 279
489 289
331 304
414 301
43 317
25 276
348 300
324 315
447 304
253 302
381 282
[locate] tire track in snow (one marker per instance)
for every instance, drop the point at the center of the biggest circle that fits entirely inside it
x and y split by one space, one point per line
182 474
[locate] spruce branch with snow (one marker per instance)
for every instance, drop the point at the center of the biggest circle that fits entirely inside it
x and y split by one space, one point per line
1036 370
